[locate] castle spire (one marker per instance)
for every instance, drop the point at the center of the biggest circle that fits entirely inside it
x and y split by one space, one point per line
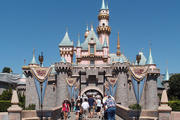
150 59
105 43
78 43
103 5
107 6
33 61
166 77
118 46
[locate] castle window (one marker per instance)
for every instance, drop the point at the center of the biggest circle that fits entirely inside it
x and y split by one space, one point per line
103 24
91 49
91 62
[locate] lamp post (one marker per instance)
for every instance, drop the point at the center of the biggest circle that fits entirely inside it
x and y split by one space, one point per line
138 59
41 59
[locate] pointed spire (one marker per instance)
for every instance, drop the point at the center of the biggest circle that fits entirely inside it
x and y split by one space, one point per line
103 5
33 61
63 59
87 29
92 29
107 6
118 46
105 42
150 59
66 41
78 43
166 77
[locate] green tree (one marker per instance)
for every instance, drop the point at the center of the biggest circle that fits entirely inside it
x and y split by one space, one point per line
6 94
174 87
6 70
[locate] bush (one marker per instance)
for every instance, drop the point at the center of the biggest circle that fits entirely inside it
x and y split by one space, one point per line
175 105
135 107
4 105
31 107
21 100
6 94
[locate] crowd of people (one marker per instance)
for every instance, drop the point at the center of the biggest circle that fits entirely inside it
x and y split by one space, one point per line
90 107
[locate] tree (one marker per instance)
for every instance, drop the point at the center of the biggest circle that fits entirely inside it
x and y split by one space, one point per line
174 87
6 70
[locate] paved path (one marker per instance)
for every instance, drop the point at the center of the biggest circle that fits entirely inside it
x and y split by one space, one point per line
96 117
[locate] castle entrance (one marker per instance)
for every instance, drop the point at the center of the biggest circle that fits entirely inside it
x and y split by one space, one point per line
92 90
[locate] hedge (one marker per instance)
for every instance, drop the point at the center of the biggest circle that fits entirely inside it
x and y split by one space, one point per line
4 105
175 105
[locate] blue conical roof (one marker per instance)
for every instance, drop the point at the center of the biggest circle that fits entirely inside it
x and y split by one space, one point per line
78 43
66 41
103 5
33 61
107 6
166 77
53 71
105 43
63 60
150 59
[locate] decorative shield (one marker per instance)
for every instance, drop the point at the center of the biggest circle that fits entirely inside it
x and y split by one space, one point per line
112 81
41 73
138 72
71 81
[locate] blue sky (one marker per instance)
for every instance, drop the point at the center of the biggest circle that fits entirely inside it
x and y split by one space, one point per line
41 24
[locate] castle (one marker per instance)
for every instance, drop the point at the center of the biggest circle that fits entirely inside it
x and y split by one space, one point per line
96 71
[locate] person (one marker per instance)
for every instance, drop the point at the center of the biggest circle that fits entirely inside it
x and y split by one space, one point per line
72 104
105 106
91 103
65 109
85 107
77 108
69 103
99 105
111 108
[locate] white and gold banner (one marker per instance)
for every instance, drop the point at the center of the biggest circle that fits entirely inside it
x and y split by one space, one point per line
41 73
71 81
139 72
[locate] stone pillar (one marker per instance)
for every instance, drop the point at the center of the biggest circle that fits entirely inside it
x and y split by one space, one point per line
63 69
151 99
164 110
14 112
122 84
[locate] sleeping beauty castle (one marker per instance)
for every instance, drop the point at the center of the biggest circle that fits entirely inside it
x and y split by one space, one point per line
95 72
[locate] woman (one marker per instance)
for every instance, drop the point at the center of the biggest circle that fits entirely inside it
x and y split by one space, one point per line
65 109
78 107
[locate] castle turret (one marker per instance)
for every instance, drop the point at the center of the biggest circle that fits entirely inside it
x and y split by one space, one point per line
104 29
86 33
151 84
78 50
33 61
63 70
105 51
66 48
166 80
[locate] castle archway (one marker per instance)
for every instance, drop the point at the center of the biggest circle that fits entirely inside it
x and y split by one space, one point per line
93 90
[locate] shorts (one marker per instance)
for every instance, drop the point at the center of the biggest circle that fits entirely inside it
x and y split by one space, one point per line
91 109
98 109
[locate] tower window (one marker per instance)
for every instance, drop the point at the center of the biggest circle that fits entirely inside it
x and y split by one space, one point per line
91 49
103 24
91 62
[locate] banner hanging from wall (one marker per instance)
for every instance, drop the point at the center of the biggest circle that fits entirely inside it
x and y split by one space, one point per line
139 75
139 72
40 75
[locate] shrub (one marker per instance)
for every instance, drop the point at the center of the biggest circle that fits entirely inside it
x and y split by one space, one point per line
135 107
31 107
175 105
6 94
4 105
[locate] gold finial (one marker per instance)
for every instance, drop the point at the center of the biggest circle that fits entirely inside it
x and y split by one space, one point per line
118 46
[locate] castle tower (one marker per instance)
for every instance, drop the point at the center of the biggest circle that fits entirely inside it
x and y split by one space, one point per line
166 80
66 48
78 50
33 61
104 29
151 84
105 51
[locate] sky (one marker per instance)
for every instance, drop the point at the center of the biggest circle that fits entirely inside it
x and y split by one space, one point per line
41 24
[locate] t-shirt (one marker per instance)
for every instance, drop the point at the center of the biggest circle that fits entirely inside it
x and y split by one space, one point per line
98 101
91 101
85 105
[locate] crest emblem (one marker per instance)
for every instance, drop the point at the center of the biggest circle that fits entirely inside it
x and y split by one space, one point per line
71 81
138 72
112 81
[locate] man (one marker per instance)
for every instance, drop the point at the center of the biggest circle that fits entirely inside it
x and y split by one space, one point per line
85 107
91 103
111 108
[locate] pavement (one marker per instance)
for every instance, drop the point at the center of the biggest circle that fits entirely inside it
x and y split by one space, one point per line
3 115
